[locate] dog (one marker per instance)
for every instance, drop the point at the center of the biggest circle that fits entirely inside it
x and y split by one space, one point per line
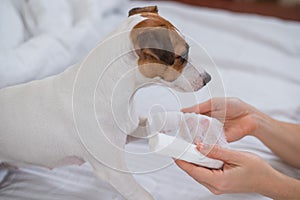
38 124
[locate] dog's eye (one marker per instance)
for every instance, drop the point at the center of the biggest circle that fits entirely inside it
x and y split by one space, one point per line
181 59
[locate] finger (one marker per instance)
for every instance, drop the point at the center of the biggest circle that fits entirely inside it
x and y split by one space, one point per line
219 153
200 174
193 109
210 188
218 114
199 108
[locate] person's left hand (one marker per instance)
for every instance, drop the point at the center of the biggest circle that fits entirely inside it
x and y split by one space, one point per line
242 172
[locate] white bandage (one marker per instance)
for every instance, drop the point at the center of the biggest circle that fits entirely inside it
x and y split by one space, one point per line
173 134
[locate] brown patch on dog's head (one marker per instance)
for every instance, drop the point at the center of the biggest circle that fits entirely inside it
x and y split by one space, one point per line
162 51
152 9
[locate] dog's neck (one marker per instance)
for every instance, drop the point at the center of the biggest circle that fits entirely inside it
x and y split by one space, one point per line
119 60
120 76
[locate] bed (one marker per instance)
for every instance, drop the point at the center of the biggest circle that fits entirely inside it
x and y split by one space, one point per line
257 58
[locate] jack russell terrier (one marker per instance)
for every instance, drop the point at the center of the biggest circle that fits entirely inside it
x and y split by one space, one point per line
37 119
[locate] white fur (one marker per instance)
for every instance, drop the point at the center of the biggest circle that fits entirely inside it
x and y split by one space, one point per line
36 119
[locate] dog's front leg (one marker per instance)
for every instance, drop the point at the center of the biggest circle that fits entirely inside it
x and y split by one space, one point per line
139 132
112 168
123 182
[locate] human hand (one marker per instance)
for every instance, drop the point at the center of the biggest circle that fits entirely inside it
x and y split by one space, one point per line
242 172
240 119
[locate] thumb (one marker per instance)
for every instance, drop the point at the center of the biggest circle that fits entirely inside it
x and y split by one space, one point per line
219 153
193 109
229 135
233 134
199 108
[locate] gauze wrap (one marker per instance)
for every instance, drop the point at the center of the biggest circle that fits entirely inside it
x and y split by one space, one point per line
187 128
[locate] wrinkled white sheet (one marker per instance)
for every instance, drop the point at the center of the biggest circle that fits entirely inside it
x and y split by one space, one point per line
258 59
41 38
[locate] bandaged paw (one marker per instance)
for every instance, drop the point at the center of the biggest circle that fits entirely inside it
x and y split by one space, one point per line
174 134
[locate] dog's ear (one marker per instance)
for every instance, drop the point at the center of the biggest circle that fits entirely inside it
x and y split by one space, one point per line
155 42
152 9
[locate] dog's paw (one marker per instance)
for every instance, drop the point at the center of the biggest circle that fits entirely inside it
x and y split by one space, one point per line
188 126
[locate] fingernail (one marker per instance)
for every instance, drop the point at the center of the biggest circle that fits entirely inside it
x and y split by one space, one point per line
198 146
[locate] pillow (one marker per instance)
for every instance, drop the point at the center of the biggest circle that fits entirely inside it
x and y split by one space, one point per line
11 25
44 16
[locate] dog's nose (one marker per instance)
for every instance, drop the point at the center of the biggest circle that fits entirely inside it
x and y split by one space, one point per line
206 78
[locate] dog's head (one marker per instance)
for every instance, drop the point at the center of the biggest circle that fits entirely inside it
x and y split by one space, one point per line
163 53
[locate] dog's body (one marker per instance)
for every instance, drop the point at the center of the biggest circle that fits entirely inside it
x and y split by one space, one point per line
37 120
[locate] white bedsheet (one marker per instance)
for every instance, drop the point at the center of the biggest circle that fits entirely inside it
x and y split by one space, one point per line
258 59
41 38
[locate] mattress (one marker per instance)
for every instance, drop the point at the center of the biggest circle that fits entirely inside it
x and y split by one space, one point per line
256 58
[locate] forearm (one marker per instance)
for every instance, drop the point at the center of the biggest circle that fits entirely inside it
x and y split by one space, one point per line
280 186
282 138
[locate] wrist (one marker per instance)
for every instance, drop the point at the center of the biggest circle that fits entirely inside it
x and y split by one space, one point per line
267 188
263 124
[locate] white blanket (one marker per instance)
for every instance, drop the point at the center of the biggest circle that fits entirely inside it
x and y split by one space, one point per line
41 38
258 59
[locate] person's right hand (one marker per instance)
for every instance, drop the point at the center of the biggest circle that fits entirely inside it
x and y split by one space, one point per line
242 172
240 119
